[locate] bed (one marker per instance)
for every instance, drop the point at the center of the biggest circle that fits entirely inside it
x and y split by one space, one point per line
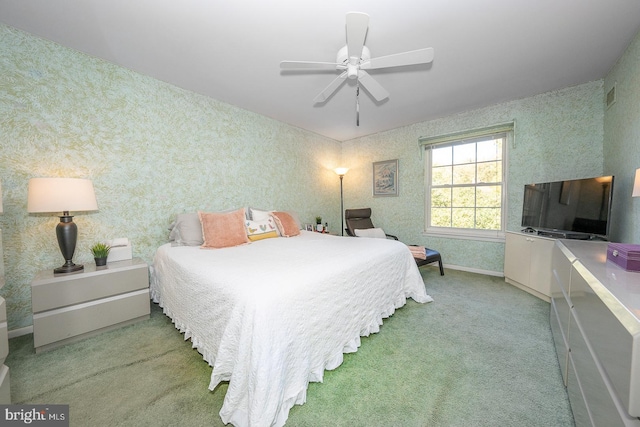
271 316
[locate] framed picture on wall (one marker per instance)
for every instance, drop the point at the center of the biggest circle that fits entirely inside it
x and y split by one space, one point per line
385 178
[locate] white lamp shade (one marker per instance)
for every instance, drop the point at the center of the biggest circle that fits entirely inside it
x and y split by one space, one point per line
636 185
341 171
61 195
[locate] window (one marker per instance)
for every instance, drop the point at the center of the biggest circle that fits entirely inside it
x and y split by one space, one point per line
465 184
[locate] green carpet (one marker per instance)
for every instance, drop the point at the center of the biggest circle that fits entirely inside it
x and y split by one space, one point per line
481 354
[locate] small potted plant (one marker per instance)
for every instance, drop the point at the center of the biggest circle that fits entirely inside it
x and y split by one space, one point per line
100 253
319 224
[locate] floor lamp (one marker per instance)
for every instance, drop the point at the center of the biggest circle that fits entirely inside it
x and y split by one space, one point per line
341 173
47 195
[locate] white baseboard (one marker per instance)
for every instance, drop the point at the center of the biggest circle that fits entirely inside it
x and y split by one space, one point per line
474 270
20 332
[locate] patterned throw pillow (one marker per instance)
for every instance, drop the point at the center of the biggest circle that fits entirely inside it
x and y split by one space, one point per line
264 229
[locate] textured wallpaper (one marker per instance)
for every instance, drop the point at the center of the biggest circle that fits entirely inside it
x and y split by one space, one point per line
558 135
622 142
151 149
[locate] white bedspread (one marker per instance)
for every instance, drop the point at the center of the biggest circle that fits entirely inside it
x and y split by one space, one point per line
273 315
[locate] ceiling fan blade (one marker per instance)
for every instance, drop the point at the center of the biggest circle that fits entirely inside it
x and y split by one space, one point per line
329 90
357 24
307 65
372 86
419 56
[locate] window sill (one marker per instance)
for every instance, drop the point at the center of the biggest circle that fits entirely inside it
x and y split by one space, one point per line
489 236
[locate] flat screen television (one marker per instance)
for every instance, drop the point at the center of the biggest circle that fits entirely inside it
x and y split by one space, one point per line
577 208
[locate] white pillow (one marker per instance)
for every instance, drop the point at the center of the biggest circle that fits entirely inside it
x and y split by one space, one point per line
258 214
376 233
186 230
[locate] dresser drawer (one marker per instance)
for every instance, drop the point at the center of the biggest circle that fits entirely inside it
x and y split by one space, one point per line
4 337
68 322
50 292
5 391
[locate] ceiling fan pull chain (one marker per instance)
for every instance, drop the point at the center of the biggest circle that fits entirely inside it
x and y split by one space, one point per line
357 104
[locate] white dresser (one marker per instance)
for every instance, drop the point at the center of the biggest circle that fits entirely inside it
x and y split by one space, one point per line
595 320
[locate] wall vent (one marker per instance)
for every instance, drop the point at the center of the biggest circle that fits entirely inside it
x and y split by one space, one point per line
611 96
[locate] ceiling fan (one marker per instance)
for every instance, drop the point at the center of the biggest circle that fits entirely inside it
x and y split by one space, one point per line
354 59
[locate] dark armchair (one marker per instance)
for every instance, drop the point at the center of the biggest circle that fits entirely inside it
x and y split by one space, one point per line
358 219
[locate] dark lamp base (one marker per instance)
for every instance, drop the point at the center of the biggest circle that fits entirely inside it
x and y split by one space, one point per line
68 268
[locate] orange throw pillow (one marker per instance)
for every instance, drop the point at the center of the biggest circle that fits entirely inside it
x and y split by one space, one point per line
286 224
222 230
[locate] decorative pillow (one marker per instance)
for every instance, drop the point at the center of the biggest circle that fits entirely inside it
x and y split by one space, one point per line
258 214
376 233
186 230
294 216
222 230
286 224
265 229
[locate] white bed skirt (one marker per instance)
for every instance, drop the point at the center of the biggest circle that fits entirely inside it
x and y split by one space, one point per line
271 316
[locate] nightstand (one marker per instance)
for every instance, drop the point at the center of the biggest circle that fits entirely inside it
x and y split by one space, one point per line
70 307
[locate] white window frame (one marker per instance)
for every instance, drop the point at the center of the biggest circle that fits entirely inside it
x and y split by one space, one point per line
426 143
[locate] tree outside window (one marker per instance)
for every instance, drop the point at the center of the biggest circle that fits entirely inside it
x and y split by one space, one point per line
465 185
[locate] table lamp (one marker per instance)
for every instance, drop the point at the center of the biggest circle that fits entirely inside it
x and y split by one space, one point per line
46 195
636 185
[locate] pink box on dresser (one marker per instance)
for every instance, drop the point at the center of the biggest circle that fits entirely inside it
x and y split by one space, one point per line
625 255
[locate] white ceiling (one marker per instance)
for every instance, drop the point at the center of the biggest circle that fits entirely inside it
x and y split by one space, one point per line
486 51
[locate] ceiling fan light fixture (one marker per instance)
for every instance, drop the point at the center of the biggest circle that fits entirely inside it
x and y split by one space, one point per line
343 56
352 71
353 59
